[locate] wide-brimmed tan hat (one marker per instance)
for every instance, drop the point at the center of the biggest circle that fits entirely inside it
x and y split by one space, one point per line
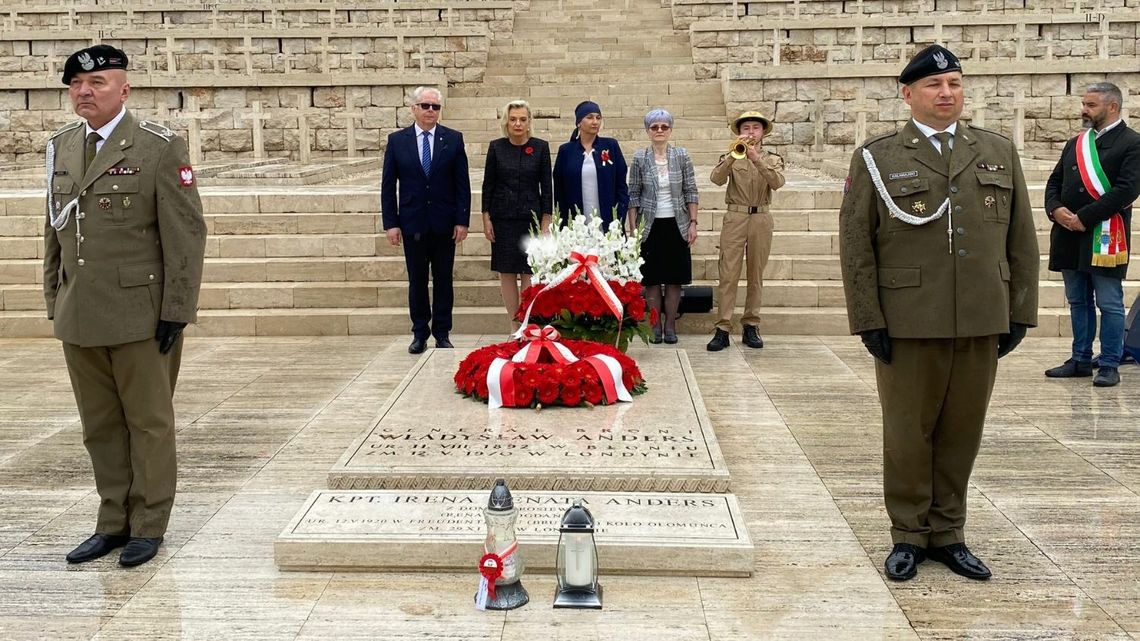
751 115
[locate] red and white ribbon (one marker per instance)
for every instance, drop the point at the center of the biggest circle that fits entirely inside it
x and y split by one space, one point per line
579 264
501 374
491 567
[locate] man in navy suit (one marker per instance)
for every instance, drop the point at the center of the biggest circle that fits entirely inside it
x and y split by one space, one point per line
428 212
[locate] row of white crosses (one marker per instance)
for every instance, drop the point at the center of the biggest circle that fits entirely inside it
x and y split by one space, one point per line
69 20
218 57
256 115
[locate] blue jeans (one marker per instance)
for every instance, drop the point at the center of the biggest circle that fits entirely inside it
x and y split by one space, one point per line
1086 293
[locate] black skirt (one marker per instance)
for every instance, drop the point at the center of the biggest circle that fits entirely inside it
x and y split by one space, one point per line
507 253
666 254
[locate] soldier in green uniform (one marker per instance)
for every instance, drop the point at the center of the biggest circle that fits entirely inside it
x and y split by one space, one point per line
940 262
123 250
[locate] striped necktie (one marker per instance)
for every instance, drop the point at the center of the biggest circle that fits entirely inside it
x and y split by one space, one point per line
425 155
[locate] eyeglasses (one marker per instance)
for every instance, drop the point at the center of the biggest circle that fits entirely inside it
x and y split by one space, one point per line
429 105
659 127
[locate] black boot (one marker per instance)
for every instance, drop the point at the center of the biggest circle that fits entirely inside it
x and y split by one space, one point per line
719 341
752 337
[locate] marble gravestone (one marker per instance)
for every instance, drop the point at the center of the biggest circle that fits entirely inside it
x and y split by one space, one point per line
692 534
430 437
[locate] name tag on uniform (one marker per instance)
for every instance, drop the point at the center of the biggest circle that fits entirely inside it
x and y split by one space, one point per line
902 175
60 172
123 171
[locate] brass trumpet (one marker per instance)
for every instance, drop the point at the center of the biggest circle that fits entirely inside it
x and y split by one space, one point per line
739 147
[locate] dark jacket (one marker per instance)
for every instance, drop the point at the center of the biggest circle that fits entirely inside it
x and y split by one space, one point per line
612 189
517 184
1119 152
421 204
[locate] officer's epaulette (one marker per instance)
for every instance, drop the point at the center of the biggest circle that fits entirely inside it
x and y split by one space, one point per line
68 127
159 130
990 131
876 139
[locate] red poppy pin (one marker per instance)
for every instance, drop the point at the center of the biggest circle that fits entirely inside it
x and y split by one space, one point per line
529 150
606 158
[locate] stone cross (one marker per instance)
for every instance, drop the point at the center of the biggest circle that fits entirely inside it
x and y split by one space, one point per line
148 61
332 16
904 49
1102 45
451 13
171 49
218 58
1020 35
273 16
353 59
1019 119
859 39
735 11
247 50
979 101
422 57
351 117
1076 4
11 21
796 9
777 40
861 108
1124 107
51 66
859 7
391 17
256 116
984 6
400 51
129 18
194 114
817 120
304 145
67 20
1049 45
324 49
938 32
976 49
214 20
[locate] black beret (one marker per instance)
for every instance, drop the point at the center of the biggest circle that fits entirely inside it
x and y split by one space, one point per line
931 61
97 58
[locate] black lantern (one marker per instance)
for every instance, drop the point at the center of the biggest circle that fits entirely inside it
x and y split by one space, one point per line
577 561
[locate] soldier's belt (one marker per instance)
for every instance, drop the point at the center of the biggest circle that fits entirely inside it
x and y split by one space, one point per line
744 209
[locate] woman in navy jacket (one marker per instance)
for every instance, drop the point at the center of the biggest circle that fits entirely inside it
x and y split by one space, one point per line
595 188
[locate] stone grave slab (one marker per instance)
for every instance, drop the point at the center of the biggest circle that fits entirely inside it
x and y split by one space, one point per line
428 436
687 534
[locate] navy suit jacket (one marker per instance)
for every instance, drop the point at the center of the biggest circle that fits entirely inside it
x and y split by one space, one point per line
420 203
612 188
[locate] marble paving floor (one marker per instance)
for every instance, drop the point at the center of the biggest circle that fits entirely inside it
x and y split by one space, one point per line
1054 507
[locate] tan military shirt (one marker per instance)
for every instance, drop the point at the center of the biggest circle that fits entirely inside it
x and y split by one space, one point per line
750 184
131 253
969 273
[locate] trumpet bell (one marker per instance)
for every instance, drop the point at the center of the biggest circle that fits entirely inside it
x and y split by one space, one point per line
739 148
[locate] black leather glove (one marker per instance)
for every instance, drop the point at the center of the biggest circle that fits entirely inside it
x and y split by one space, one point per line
166 333
1007 342
878 342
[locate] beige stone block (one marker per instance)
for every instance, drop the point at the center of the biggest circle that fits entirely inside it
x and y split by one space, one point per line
233 271
376 269
293 246
29 298
213 297
324 296
260 296
241 247
305 270
356 245
219 323
303 324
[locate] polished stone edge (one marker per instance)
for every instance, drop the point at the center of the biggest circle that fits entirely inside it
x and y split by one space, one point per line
344 476
459 552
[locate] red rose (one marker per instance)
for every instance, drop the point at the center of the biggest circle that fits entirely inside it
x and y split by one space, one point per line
571 395
548 393
637 309
529 150
592 392
523 395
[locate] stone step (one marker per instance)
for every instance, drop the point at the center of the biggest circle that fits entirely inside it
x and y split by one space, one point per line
549 107
570 89
695 328
510 56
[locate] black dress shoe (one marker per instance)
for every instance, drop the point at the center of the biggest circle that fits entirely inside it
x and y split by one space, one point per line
98 545
418 346
719 341
752 337
139 551
960 560
443 343
902 562
1107 377
1070 369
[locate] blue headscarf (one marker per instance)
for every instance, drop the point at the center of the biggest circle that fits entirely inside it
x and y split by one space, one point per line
583 109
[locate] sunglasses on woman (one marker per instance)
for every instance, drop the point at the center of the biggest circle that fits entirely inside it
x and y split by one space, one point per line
429 106
659 127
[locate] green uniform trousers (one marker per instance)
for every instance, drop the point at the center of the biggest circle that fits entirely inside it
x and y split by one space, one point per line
934 396
125 399
745 239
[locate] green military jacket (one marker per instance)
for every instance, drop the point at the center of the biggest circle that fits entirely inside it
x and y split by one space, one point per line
969 273
131 252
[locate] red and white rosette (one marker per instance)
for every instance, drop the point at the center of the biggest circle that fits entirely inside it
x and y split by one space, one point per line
490 569
579 265
501 374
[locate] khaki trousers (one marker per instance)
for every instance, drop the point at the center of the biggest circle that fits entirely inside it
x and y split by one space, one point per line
125 399
934 396
743 238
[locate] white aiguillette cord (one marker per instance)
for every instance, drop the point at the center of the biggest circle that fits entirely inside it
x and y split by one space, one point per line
58 220
909 219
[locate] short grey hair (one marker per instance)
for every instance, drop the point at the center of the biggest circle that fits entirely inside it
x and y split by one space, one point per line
1109 90
658 115
515 104
418 94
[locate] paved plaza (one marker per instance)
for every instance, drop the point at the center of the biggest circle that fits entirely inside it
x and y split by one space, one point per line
1054 507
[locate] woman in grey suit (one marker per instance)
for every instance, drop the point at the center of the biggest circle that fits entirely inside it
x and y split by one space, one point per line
663 199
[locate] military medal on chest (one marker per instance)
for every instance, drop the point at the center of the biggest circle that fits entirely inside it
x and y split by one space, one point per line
104 203
918 207
990 202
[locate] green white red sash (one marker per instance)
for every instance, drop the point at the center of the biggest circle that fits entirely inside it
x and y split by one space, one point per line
1109 242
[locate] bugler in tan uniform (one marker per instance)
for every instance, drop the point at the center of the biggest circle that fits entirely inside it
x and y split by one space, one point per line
940 260
746 233
124 246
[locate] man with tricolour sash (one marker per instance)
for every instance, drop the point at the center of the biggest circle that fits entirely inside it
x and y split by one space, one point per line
1089 199
940 261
